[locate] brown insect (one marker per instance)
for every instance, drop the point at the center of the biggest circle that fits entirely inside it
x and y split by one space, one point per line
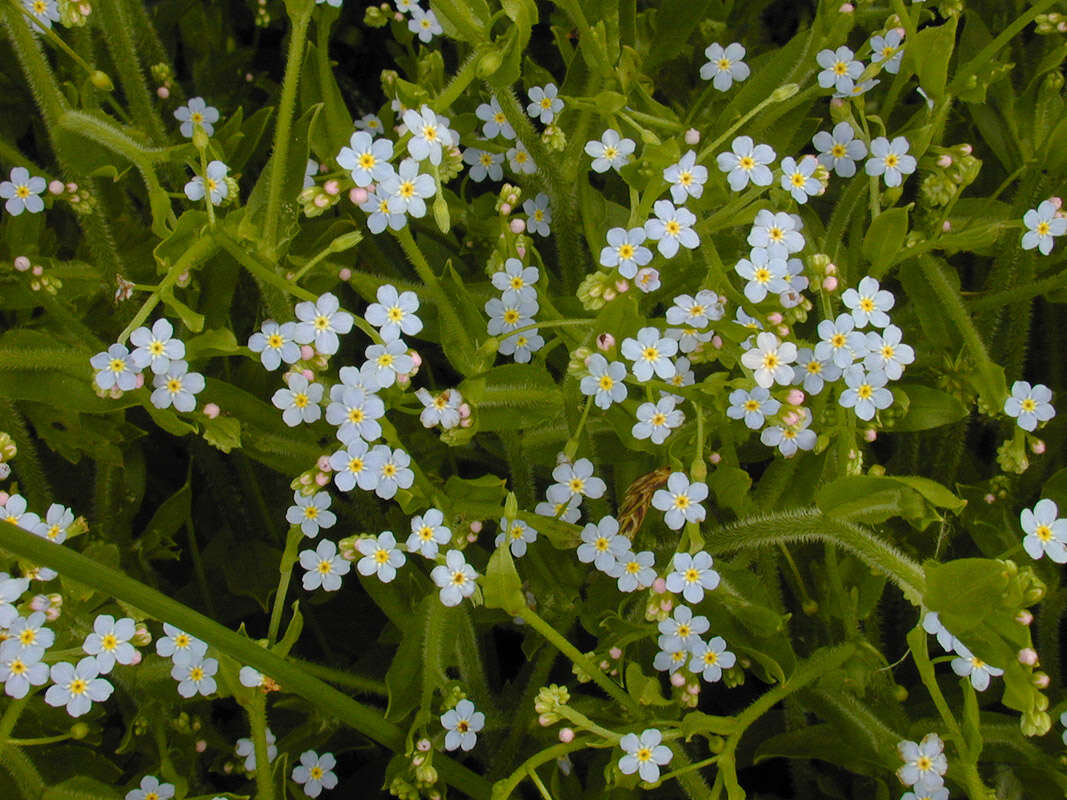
638 499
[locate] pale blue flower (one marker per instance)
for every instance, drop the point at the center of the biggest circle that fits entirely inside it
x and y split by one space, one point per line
687 178
692 575
516 534
683 630
496 123
428 532
887 48
777 233
724 65
484 164
311 512
625 251
366 158
20 669
578 479
798 178
866 393
539 215
275 344
356 414
456 578
246 749
764 273
179 646
320 322
521 346
1046 533
752 406
968 665
110 642
57 520
392 468
394 313
544 104
424 24
381 556
152 789
710 659
681 500
156 347
516 281
695 312
519 160
323 567
178 387
315 772
350 467
868 303
389 359
22 190
462 724
371 123
213 183
197 112
790 438
813 373
429 133
633 570
1042 225
840 69
655 421
299 401
78 687
770 360
840 343
611 152
383 211
650 353
28 636
885 351
644 754
839 150
891 160
602 544
408 189
605 382
115 368
45 12
747 162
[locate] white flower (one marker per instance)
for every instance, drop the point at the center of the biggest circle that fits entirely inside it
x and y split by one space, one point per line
516 281
275 344
672 226
866 393
462 724
251 678
887 48
408 188
764 273
178 387
752 406
724 65
687 178
389 360
655 421
442 409
152 789
1042 224
44 11
539 215
790 438
517 534
14 512
370 122
924 762
770 359
839 342
747 162
213 184
57 520
115 368
196 113
886 352
383 212
323 567
110 642
840 69
320 322
380 555
22 192
559 503
709 660
77 688
196 676
366 158
315 772
424 24
868 303
179 646
11 589
1045 532
20 669
28 637
394 313
428 532
682 631
578 479
311 513
839 150
391 468
544 104
695 312
299 402
429 133
364 377
1029 405
246 749
509 313
798 178
932 625
456 578
633 570
156 347
890 159
777 232
496 123
484 164
670 660
602 544
356 414
692 574
650 353
605 382
644 754
350 467
680 500
519 160
611 152
625 251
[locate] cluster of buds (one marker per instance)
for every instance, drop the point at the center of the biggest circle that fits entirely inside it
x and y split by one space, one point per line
74 13
950 171
660 602
81 199
686 691
315 199
38 281
378 16
164 78
312 480
553 138
508 199
51 605
599 288
550 699
1050 23
263 17
8 451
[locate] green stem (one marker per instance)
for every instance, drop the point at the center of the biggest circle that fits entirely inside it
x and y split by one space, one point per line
207 191
340 677
120 44
572 444
257 721
538 783
459 83
11 716
986 53
551 323
502 789
779 95
62 737
1026 291
285 573
57 41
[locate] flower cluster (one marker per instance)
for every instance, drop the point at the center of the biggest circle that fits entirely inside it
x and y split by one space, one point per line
966 664
511 315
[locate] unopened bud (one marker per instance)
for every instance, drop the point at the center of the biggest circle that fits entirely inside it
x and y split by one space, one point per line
659 585
358 196
1028 656
1037 447
605 342
783 93
566 735
847 8
946 226
692 136
615 653
344 274
211 410
774 318
715 458
1024 617
544 720
22 263
505 208
517 225
1040 680
162 92
795 397
944 161
56 187
423 745
677 680
101 81
829 283
79 730
870 435
810 607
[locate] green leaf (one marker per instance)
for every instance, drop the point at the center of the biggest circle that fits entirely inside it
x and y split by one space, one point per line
645 689
465 20
189 227
157 538
333 126
868 499
81 788
501 586
822 742
730 486
698 722
964 592
457 321
222 432
927 408
215 342
675 22
292 633
512 396
929 53
884 239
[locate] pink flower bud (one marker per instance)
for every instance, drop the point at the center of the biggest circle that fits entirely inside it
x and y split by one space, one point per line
545 720
22 263
56 187
472 538
323 464
622 285
162 92
1037 447
692 136
416 359
140 380
870 435
990 498
829 283
307 373
774 318
1028 656
423 745
211 410
466 423
795 397
200 746
783 330
946 226
837 102
1041 680
604 666
521 251
847 8
830 269
792 418
464 410
900 32
40 603
615 652
659 586
307 352
332 187
505 208
418 759
666 604
605 342
344 273
517 225
677 680
321 201
304 480
693 689
566 735
715 458
1024 617
610 294
37 270
358 196
945 161
322 479
476 526
136 658
512 199
1056 201
966 149
716 342
85 9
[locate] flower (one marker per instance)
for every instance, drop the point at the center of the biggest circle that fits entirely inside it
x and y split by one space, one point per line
633 570
517 533
275 344
152 789
752 406
891 160
887 48
299 402
370 122
539 215
764 273
798 178
840 343
1029 405
424 24
323 567
156 347
179 646
710 659
484 164
1042 223
11 589
246 749
429 133
45 12
578 479
611 152
356 414
682 631
456 578
441 410
927 793
840 70
116 368
462 724
747 162
924 762
311 513
391 468
251 678
519 160
320 322
695 312
644 754
670 660
408 188
886 352
14 513
28 637
687 178
394 313
383 211
932 625
366 158
178 387
650 353
692 575
604 381
380 555
315 772
22 192
866 392
78 687
770 360
350 467
544 104
1045 532
389 360
516 281
655 421
428 531
625 251
602 544
212 183
20 669
196 113
790 438
57 520
777 232
724 65
110 642
195 676
559 503
496 123
310 170
680 500
672 226
839 150
868 303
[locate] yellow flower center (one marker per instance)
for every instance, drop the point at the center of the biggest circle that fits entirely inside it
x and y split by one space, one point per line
381 555
54 532
746 163
673 228
486 159
539 215
407 189
196 117
888 351
685 178
684 630
181 641
156 348
924 763
892 160
658 419
300 400
762 275
1043 228
724 64
322 323
174 385
840 68
1044 533
633 567
838 340
770 361
692 575
325 567
355 465
459 578
396 314
17 667
752 405
867 304
814 367
355 415
117 365
546 103
520 157
864 391
575 485
606 383
275 341
643 754
367 160
838 151
776 234
426 533
650 354
429 133
1028 404
389 470
463 726
798 179
711 658
385 359
109 642
517 282
681 501
311 512
499 118
316 773
511 316
28 637
601 544
78 686
610 153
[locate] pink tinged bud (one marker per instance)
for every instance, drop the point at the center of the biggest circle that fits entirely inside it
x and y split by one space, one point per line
566 735
72 187
140 380
322 479
307 373
966 149
321 201
332 187
544 720
715 458
774 318
423 745
610 294
1028 656
403 380
900 31
512 199
716 342
678 680
418 759
521 251
40 603
307 352
472 538
505 208
831 269
38 270
605 342
622 285
692 136
22 263
398 17
52 614
464 410
517 225
466 423
85 9
847 8
945 161
415 358
615 653
305 480
604 665
792 418
211 410
870 435
795 397
200 746
323 464
693 689
344 273
829 283
659 586
1041 680
1024 617
783 330
837 102
666 604
1056 201
990 498
358 196
136 658
56 187
162 92
1037 447
946 226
